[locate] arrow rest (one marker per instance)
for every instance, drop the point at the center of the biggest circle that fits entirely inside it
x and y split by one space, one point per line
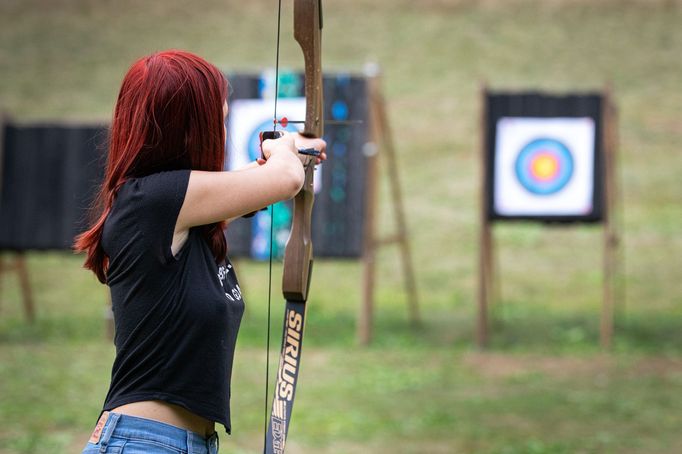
271 135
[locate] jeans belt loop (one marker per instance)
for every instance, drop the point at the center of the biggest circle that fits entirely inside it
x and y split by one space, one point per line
108 430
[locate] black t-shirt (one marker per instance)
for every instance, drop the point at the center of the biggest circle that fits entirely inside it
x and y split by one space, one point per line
176 317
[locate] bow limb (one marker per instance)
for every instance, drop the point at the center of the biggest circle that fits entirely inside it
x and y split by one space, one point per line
308 33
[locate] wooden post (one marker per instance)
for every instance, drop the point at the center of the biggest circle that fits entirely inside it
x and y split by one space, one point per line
485 265
381 140
2 161
610 233
19 266
620 293
366 316
3 121
2 264
22 271
398 210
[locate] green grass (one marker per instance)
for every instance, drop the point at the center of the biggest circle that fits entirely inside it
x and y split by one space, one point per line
544 387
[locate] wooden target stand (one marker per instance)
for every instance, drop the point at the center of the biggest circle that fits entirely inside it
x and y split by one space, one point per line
17 261
487 285
381 143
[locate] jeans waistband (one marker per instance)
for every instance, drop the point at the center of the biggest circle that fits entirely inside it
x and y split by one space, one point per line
126 426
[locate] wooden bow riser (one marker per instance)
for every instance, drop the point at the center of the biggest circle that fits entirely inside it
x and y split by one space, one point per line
299 249
298 255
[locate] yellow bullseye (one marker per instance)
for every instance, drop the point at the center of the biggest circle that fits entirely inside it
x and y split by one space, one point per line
544 167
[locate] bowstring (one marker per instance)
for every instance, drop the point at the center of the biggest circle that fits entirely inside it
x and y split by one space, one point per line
272 225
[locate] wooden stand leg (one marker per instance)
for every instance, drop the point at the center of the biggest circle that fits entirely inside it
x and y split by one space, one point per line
366 316
2 272
2 161
606 330
485 264
20 264
410 283
381 138
484 286
619 291
399 212
610 234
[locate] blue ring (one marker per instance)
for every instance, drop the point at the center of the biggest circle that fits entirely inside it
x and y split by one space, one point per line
253 141
529 152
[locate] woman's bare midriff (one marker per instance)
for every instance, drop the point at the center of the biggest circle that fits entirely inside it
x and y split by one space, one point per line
169 414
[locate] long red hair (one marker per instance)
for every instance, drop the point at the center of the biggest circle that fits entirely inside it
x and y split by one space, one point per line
168 116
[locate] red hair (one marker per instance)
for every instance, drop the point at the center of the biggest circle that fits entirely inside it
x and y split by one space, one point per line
168 116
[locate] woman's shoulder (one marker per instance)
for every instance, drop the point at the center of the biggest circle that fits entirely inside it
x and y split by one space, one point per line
146 207
155 187
159 181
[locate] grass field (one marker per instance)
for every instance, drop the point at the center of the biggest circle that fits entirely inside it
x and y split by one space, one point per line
544 386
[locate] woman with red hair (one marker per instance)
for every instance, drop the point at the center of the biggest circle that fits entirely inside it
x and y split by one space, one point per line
159 246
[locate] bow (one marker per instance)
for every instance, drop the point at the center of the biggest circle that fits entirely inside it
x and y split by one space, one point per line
298 254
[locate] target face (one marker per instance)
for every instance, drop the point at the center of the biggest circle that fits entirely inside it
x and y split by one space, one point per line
247 118
544 166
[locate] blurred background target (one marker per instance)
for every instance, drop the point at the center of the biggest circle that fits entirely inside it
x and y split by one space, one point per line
543 156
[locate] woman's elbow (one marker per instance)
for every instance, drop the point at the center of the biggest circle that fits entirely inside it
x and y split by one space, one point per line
287 176
295 180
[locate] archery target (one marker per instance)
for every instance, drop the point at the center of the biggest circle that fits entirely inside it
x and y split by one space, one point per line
247 118
544 166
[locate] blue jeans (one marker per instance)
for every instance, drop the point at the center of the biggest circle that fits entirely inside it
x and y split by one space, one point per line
122 434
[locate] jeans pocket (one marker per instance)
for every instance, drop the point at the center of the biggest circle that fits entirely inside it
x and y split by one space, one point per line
114 447
138 446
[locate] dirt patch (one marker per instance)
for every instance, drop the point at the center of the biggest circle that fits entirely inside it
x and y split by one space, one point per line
454 5
497 365
658 367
